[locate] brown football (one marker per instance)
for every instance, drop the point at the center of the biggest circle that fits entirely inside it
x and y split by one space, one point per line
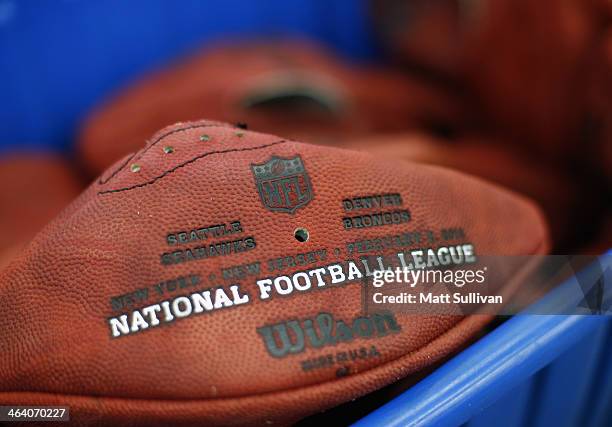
295 89
215 278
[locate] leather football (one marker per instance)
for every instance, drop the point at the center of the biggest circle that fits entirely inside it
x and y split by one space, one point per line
215 278
295 89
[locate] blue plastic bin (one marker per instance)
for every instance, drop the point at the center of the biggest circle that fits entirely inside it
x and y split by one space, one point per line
533 370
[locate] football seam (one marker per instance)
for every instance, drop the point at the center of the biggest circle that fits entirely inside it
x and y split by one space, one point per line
138 155
169 171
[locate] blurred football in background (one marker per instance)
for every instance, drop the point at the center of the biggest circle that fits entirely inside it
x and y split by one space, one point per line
35 188
525 64
295 89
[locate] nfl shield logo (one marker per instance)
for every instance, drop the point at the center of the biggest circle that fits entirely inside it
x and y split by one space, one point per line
283 184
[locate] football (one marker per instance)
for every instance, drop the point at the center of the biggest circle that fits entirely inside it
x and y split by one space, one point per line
291 88
215 277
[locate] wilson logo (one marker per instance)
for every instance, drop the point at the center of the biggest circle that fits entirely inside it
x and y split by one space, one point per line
294 336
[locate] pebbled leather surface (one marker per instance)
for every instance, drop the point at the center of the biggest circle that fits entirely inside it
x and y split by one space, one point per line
34 188
212 368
